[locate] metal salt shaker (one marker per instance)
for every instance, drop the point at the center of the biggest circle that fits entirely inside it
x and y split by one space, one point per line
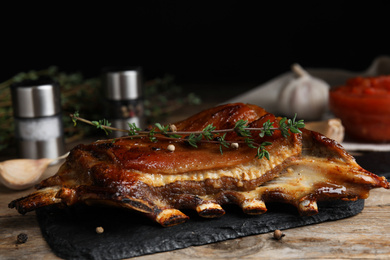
38 119
124 99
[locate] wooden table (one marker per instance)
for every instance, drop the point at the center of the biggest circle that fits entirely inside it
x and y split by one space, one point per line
364 236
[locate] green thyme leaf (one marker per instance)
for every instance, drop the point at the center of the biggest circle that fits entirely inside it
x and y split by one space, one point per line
262 152
194 139
133 129
222 142
207 132
162 128
295 125
240 128
152 136
283 127
176 136
267 129
101 125
74 117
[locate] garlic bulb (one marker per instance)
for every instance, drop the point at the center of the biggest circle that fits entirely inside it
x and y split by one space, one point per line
304 95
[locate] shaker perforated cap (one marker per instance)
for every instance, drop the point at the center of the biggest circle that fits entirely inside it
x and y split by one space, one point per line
32 99
124 84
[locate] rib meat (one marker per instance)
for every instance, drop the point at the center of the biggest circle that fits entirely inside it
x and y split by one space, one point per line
144 176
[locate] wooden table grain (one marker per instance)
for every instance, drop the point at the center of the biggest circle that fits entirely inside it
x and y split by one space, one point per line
363 236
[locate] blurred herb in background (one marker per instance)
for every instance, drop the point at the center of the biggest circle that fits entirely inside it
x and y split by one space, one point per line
161 97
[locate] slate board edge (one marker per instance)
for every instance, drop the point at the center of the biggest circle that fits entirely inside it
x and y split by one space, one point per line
319 218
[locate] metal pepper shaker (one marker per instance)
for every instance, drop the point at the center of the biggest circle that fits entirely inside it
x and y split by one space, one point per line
38 119
124 98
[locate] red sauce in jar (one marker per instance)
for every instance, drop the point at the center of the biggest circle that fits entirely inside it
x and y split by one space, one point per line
363 105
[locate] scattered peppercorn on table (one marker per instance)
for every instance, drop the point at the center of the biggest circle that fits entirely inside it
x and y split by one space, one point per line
361 236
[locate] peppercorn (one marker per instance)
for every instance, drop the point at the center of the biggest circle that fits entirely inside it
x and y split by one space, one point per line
22 238
234 145
171 148
173 128
278 235
99 230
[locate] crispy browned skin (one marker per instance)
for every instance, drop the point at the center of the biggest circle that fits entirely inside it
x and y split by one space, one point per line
144 176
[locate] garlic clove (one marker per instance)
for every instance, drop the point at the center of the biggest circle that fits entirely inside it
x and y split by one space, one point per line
331 128
305 96
20 174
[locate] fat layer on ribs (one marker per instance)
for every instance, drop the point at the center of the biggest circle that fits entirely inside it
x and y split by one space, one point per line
146 177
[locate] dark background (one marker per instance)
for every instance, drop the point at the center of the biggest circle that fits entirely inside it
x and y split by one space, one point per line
220 42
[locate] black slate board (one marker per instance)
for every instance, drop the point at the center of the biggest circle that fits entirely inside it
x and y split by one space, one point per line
71 232
375 162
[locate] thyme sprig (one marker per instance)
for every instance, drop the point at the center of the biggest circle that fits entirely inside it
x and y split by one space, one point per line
102 124
209 134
